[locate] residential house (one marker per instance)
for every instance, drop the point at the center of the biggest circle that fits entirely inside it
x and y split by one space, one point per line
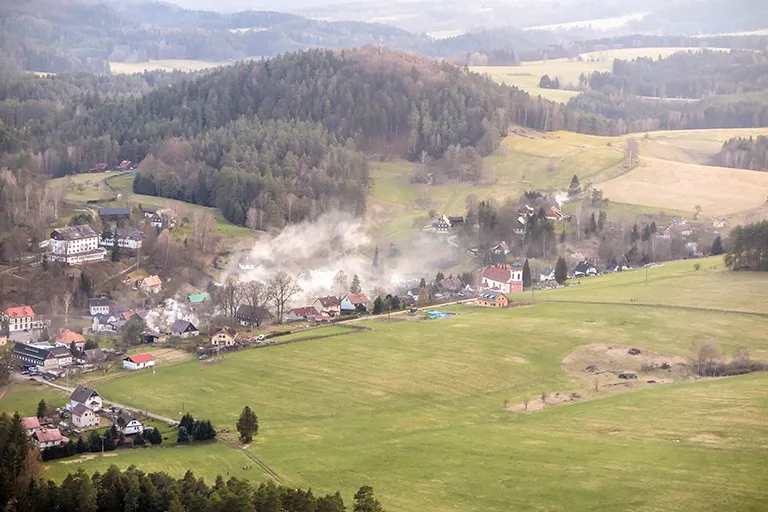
303 313
76 244
503 278
184 329
114 214
30 425
354 302
21 318
62 355
492 299
104 323
584 269
329 305
500 249
42 356
451 284
163 218
441 224
151 284
87 397
252 316
148 212
84 417
99 306
127 315
554 213
125 238
547 274
128 424
94 356
224 338
198 298
139 361
246 263
67 337
48 438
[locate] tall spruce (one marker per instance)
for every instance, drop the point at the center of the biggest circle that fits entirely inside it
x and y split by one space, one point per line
247 425
561 270
527 282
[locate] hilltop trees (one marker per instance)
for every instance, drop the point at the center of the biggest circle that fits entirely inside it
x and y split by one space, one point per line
747 247
247 425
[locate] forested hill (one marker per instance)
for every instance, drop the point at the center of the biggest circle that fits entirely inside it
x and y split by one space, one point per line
744 153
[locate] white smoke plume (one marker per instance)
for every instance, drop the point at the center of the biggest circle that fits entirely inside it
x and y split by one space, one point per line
162 317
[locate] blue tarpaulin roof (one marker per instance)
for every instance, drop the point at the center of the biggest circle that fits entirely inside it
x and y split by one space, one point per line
439 314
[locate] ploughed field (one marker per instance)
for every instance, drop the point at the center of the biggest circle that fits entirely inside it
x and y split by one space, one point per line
429 412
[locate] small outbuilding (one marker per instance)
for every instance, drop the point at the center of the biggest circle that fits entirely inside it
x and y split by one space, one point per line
139 361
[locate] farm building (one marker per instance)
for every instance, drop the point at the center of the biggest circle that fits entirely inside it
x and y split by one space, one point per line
30 425
84 417
139 361
114 214
492 299
503 278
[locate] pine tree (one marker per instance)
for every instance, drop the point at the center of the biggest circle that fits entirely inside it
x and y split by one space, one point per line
41 406
592 223
526 275
355 286
115 250
561 270
247 425
717 246
575 186
188 422
365 501
378 306
182 436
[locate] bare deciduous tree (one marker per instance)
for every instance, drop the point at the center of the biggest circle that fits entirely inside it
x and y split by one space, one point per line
706 354
256 294
282 288
230 295
66 298
340 283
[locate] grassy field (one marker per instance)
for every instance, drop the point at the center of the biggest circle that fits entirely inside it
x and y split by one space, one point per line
527 75
163 65
416 408
23 398
88 186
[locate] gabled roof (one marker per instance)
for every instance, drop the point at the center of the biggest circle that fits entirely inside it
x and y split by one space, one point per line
114 211
74 232
140 358
495 273
229 331
329 301
30 423
79 410
69 336
256 313
127 234
546 271
304 311
127 315
125 418
98 302
30 351
357 298
103 319
183 326
48 436
583 266
82 393
95 355
152 281
60 352
20 311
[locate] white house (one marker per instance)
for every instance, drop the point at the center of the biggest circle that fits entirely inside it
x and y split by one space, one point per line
67 337
49 438
128 425
99 306
87 397
246 263
22 318
84 417
103 323
329 305
351 302
76 244
184 329
502 278
547 274
126 238
139 361
224 338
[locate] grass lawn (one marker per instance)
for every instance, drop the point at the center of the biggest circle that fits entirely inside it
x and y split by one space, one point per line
87 186
416 408
24 396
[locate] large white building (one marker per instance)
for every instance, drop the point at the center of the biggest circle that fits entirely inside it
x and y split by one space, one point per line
126 238
21 318
76 244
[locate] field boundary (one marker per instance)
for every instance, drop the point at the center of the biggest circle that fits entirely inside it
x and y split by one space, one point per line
659 305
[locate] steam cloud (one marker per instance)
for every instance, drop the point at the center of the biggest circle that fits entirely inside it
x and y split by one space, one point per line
160 319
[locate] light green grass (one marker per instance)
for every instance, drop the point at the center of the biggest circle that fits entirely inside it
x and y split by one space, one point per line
24 396
415 408
86 186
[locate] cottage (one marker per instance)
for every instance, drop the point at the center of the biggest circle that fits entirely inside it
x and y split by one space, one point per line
128 424
303 313
67 337
329 305
76 244
103 323
85 396
184 329
99 306
138 361
151 284
492 299
48 438
125 238
21 318
249 315
584 269
547 274
84 417
114 214
503 278
224 338
30 425
354 302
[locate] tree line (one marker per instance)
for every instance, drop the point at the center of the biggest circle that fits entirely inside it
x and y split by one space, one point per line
744 153
748 247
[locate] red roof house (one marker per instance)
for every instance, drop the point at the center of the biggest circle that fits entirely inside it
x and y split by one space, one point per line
138 361
502 278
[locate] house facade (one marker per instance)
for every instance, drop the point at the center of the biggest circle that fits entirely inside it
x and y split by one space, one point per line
139 361
103 323
502 278
67 337
329 305
303 313
128 424
492 299
48 438
99 306
30 425
87 397
163 218
351 302
41 356
441 224
224 338
76 244
547 274
22 318
125 238
84 417
151 284
184 329
252 316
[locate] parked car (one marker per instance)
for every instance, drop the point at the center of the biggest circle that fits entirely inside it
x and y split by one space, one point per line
260 337
204 356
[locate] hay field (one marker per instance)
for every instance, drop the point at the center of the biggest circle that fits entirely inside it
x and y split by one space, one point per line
163 65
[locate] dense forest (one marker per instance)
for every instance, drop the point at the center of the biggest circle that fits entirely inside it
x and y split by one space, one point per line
748 247
23 490
744 153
